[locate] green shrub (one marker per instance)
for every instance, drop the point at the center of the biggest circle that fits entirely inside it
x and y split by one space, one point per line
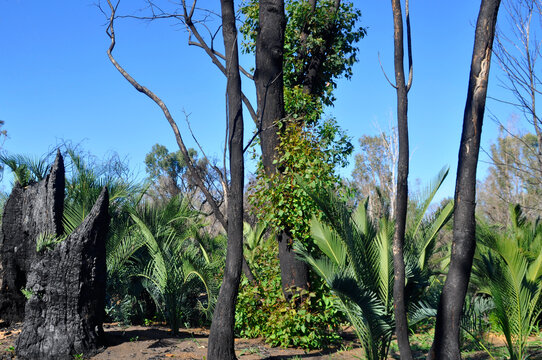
508 267
308 320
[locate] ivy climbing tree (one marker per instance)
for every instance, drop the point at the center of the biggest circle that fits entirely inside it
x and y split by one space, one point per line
319 48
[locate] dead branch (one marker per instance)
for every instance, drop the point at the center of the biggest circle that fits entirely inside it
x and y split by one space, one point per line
191 166
384 72
221 174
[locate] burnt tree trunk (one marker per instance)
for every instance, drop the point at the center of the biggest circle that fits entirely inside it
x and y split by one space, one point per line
29 211
65 312
270 96
446 341
401 199
221 338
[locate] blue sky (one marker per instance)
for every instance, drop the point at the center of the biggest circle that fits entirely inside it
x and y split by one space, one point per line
56 83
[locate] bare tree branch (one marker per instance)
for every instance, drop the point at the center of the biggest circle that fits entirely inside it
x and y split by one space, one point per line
187 19
191 167
384 72
221 56
221 174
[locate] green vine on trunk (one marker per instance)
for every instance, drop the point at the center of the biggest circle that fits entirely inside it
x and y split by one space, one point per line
310 153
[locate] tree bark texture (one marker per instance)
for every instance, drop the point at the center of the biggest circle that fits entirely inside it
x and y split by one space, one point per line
65 312
401 323
446 341
221 338
270 95
29 212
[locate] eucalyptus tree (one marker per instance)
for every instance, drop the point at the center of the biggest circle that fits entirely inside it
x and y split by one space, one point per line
221 338
317 46
401 200
446 341
512 178
308 54
374 175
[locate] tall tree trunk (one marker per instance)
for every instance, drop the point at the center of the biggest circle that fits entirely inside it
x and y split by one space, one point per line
401 323
221 338
270 95
446 341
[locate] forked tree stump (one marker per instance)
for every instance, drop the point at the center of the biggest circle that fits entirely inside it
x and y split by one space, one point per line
65 312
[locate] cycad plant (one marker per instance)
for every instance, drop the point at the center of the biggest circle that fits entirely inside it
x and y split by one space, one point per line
357 263
508 268
26 169
84 182
253 239
170 263
357 266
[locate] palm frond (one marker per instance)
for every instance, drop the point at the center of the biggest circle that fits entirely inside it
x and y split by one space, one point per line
425 198
328 242
506 267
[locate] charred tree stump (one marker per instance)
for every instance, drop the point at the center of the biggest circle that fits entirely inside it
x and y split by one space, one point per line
65 312
29 211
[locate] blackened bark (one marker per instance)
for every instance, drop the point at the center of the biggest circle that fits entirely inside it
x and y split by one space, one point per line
293 272
29 212
269 77
221 338
401 323
446 341
65 312
270 94
248 272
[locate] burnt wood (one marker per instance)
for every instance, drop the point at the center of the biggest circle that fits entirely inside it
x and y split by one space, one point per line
65 312
29 211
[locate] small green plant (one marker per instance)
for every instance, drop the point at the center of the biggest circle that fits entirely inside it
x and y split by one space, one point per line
27 293
46 241
250 351
78 357
134 339
10 349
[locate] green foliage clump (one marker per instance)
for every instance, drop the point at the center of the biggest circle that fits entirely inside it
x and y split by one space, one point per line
25 169
324 28
27 293
308 320
46 241
126 299
309 153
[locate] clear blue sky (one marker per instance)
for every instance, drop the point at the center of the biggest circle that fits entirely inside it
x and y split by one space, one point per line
56 82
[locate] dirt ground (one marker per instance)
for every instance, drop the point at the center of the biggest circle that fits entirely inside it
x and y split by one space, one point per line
157 342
